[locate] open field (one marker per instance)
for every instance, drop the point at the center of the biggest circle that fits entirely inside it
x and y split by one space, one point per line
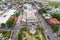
54 2
25 34
6 33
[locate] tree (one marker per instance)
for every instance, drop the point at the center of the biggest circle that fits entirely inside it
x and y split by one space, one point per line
20 21
2 24
58 35
17 13
54 27
10 6
55 15
43 10
10 22
20 35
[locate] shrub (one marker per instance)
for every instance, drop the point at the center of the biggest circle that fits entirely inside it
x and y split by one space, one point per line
10 6
43 10
20 21
20 35
54 27
58 35
17 13
2 24
6 33
24 29
10 22
55 15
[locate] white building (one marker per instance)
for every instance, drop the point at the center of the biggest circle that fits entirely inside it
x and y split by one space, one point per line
5 16
29 13
57 10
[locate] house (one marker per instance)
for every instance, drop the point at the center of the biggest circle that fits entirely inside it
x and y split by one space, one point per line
53 20
14 17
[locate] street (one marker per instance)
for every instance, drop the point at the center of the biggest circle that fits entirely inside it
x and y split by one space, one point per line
43 24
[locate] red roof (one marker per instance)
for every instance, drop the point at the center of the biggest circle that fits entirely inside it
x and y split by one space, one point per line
53 20
15 18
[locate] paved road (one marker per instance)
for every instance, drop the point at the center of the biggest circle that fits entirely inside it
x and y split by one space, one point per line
47 28
43 23
16 28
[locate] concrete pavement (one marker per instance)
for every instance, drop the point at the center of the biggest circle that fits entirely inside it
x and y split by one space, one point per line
46 26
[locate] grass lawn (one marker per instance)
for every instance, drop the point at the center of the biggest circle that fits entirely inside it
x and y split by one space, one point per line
39 35
54 3
6 33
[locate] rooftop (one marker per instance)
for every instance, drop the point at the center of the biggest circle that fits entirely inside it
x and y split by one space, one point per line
5 16
57 10
29 13
53 20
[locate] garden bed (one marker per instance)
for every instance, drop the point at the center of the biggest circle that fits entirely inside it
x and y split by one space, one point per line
6 33
25 34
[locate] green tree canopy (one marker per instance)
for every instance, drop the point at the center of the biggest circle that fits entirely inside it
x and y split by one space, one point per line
54 27
43 10
2 24
55 15
17 13
10 22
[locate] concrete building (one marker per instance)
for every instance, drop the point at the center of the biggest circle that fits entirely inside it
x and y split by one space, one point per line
5 16
29 13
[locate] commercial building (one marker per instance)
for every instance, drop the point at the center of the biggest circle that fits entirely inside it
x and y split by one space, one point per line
29 13
5 16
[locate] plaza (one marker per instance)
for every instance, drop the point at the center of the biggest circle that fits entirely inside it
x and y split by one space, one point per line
29 13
